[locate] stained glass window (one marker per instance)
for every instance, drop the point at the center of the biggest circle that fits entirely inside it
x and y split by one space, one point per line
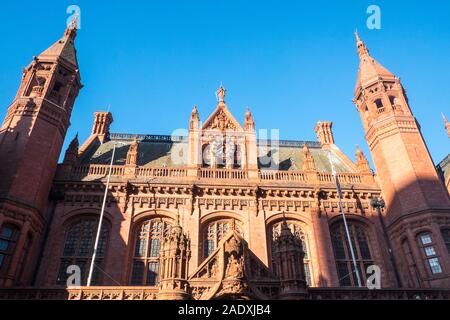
79 247
215 231
342 252
147 249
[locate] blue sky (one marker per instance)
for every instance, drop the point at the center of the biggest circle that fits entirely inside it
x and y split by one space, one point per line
292 62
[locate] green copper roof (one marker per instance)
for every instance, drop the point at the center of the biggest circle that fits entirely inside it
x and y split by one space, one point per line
165 151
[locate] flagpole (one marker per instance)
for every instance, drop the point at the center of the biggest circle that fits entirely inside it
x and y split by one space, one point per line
344 218
102 213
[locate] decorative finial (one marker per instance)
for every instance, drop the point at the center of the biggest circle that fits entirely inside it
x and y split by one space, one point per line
447 124
221 92
74 24
358 39
72 28
362 49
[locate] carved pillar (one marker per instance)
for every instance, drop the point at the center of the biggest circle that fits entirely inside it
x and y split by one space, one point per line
288 255
175 254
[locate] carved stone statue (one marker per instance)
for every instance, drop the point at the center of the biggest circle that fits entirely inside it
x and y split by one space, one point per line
235 268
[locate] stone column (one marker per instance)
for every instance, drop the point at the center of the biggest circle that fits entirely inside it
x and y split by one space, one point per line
328 274
257 237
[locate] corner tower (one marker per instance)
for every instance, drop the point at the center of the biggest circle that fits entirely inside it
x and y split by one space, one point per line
31 138
418 205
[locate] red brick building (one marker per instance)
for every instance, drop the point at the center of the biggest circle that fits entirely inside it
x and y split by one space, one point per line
218 213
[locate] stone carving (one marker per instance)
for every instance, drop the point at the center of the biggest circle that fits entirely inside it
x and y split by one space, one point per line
222 122
235 268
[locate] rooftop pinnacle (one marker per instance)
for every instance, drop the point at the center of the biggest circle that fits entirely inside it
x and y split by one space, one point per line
370 70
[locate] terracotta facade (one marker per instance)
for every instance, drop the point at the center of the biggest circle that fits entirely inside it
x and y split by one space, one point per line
218 213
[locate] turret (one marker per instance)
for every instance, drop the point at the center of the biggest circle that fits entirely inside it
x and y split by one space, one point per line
415 196
31 139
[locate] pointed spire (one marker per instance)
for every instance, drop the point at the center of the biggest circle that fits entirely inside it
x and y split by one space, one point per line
71 30
308 160
195 119
370 70
362 164
176 229
65 47
285 231
249 123
362 49
71 155
447 124
133 153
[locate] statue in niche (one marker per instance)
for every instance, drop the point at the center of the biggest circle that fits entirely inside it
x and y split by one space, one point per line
235 269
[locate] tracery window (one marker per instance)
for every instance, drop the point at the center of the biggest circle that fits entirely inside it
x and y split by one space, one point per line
429 253
8 238
361 246
146 257
301 235
214 232
79 247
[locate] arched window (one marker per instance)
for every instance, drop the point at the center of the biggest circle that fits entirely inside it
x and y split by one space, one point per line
215 231
300 234
429 253
8 238
79 247
146 251
344 262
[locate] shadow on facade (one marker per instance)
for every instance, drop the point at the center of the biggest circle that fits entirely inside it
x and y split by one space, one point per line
420 208
71 236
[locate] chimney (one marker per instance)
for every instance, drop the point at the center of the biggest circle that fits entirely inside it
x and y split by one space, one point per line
324 133
102 122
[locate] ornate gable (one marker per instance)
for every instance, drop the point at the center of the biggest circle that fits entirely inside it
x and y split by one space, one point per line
221 119
233 271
